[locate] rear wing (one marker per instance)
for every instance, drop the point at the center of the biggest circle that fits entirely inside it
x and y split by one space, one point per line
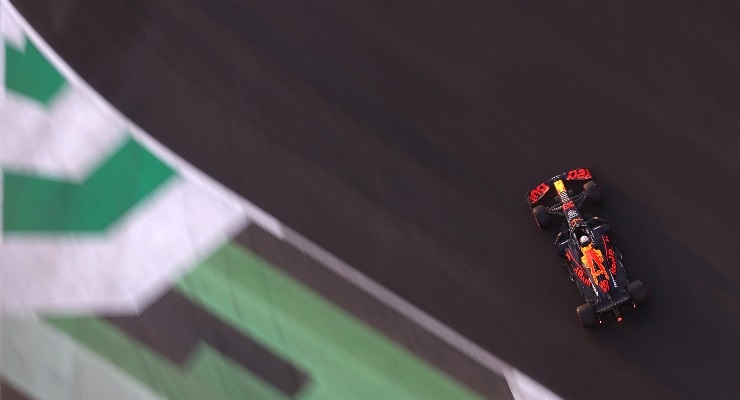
545 193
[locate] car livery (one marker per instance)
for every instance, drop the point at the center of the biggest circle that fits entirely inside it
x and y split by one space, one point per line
586 246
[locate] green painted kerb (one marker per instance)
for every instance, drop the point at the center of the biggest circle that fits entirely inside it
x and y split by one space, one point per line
38 204
30 74
343 357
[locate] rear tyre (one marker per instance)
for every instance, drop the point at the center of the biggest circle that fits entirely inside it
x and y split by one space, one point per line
541 216
638 292
587 315
593 192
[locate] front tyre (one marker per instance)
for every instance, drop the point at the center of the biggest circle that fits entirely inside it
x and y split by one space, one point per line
638 292
593 192
587 315
541 216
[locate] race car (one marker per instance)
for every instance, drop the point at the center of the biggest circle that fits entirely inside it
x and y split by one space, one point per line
586 246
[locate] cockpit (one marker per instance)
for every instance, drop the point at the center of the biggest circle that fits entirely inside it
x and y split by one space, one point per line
580 231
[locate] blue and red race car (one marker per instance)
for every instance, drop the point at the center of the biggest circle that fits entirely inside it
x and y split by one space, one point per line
586 246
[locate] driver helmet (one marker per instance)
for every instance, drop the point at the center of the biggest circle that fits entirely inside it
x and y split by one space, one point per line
585 240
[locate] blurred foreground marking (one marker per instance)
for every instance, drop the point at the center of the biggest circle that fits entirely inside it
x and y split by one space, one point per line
344 358
29 73
34 203
174 326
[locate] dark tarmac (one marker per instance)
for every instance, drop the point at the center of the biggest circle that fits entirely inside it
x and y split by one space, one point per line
402 137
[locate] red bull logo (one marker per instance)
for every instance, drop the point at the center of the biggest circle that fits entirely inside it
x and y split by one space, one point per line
577 270
610 255
612 261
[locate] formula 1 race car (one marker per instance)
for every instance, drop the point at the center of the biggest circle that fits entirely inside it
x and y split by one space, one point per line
586 246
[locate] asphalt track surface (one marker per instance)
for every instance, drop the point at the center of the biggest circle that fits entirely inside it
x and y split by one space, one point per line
402 136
